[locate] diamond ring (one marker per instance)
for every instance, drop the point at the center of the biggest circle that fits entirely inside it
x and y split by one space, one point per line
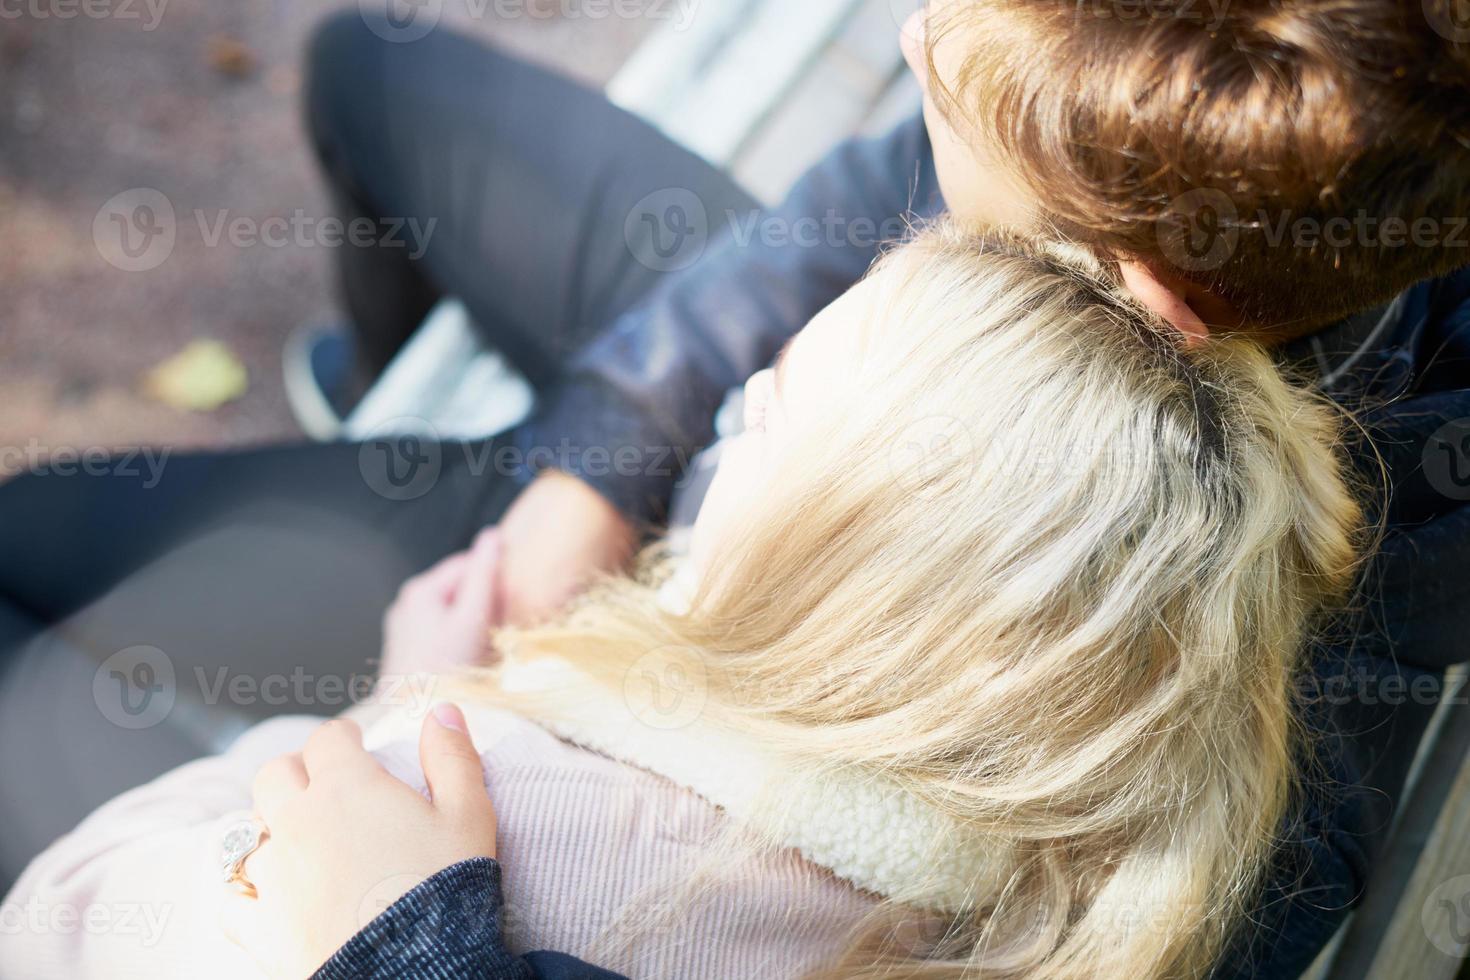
240 841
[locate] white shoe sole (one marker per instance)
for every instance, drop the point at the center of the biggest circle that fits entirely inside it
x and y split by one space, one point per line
309 404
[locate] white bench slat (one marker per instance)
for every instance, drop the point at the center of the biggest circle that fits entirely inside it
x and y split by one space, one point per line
833 100
715 108
656 78
709 85
446 377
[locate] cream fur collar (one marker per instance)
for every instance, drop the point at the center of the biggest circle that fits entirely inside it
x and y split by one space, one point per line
864 829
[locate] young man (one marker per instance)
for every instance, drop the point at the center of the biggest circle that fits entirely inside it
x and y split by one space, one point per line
1215 158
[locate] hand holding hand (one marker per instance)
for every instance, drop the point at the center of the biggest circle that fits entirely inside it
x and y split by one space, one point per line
441 619
557 536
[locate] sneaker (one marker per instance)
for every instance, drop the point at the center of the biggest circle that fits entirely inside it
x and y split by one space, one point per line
318 364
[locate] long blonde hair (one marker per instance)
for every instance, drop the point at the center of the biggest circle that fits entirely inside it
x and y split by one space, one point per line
1050 572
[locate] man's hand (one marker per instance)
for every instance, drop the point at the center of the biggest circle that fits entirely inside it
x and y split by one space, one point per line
346 839
556 536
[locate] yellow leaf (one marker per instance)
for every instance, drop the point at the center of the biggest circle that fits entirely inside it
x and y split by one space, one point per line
200 378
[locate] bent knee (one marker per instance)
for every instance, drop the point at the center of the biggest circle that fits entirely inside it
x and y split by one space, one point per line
341 56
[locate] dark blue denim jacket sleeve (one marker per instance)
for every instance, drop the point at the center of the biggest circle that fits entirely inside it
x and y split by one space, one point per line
448 928
645 391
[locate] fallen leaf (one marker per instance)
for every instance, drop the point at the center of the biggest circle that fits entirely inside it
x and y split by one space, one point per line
200 378
229 56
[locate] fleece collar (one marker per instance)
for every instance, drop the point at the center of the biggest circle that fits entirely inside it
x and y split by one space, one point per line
863 828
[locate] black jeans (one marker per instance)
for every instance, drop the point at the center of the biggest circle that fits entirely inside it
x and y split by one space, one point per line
145 606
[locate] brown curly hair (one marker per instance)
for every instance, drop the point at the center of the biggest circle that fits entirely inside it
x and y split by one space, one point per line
1303 159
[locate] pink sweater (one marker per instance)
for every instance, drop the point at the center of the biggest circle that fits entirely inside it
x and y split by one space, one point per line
584 841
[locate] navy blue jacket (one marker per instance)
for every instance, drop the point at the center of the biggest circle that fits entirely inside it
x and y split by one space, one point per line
655 377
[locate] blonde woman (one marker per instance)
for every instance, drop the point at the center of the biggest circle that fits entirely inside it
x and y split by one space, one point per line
1040 726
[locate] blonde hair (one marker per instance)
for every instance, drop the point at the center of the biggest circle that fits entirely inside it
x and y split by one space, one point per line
1050 572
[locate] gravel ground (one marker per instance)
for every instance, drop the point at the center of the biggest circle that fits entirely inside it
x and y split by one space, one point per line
199 101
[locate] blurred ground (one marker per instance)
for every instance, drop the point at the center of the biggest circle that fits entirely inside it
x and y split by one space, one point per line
202 106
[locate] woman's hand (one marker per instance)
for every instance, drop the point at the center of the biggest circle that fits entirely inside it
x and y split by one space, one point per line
441 619
346 839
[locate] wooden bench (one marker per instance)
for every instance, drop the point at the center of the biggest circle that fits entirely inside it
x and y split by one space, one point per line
1414 921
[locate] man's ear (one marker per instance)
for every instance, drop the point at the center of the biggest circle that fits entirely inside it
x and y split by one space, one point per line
1166 299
